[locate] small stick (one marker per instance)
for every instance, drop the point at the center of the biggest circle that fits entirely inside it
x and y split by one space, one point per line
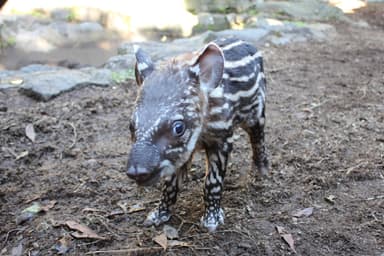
375 198
136 251
74 135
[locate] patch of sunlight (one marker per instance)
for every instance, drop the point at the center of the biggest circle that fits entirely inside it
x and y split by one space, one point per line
105 45
274 22
162 14
348 6
141 13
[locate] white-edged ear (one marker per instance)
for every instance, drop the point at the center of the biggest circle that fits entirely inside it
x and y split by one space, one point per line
208 65
144 65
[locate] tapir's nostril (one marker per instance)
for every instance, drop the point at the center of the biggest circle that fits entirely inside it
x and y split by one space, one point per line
143 162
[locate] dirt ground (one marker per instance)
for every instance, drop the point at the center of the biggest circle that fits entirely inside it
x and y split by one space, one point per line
325 133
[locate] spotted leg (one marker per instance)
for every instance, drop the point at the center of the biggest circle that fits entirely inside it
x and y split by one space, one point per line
162 212
217 158
260 156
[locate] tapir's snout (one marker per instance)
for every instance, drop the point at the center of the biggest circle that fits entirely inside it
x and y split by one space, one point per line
143 163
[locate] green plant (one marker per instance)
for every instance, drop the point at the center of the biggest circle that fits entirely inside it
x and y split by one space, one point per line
72 16
38 13
252 12
7 42
122 76
299 23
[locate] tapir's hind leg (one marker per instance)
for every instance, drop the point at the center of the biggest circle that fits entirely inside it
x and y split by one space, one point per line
255 130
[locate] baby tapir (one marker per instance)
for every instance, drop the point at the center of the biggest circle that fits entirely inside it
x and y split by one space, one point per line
191 102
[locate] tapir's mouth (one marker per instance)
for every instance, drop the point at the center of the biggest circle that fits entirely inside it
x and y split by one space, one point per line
150 179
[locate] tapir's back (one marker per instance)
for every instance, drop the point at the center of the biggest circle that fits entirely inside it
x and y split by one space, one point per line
242 93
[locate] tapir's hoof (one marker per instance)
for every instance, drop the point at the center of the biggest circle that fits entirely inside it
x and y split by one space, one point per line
212 219
156 217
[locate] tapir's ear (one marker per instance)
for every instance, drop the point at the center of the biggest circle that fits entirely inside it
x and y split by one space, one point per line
208 65
144 65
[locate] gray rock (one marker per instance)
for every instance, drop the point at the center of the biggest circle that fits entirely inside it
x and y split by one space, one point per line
121 62
218 6
39 67
63 33
309 10
213 22
237 20
253 35
8 78
61 14
7 73
31 34
157 50
272 31
44 85
321 31
197 41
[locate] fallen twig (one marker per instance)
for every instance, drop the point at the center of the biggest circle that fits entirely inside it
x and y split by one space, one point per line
74 135
136 251
351 169
276 69
375 198
10 231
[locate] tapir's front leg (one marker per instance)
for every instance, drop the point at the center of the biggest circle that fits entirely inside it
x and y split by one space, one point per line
162 213
217 158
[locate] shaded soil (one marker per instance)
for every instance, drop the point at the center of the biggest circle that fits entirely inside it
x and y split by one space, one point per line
325 135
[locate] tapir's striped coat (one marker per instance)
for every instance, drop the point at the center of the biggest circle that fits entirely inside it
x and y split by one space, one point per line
195 101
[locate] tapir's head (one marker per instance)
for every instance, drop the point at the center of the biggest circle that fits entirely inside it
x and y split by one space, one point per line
168 117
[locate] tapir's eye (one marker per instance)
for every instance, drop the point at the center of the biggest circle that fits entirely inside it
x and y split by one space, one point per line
178 128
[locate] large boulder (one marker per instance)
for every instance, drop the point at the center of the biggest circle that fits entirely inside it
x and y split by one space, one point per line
39 34
45 82
219 6
307 10
209 21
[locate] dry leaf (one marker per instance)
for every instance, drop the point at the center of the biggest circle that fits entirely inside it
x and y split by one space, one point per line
330 199
161 240
304 212
280 230
48 206
170 232
82 231
288 238
30 132
174 243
